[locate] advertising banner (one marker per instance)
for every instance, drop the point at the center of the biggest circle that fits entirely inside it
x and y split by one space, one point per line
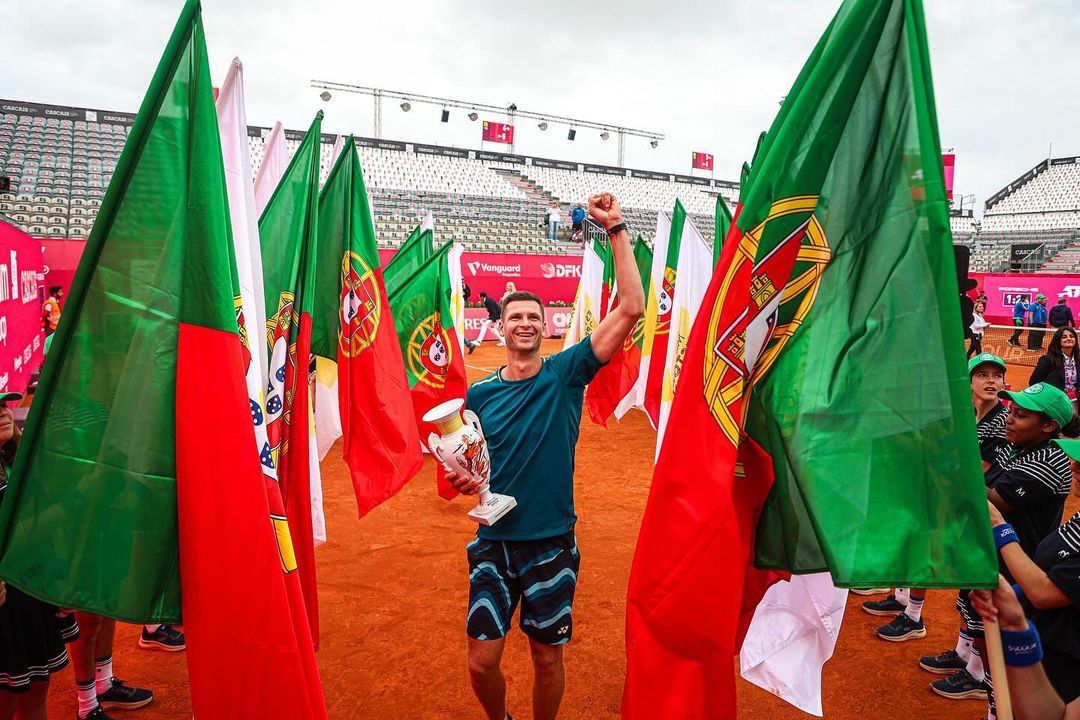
557 319
1003 290
21 295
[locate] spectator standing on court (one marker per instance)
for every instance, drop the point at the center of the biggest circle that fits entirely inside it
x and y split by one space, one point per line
978 325
577 222
1061 314
494 311
1059 365
554 216
1038 320
1020 313
50 311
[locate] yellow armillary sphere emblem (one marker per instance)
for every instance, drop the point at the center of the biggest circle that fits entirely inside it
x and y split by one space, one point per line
361 305
430 351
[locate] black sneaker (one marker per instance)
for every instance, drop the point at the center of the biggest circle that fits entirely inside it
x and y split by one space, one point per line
166 638
902 628
888 606
471 346
960 686
946 663
95 714
122 697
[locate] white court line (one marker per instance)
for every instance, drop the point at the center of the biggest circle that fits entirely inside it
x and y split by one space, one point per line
477 367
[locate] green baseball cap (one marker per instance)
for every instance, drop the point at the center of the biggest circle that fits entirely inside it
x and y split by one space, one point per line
1043 398
984 358
1040 296
1071 448
12 396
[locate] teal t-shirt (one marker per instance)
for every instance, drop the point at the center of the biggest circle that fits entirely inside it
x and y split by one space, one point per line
532 428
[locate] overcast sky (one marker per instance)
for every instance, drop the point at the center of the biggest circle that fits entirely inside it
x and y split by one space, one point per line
706 74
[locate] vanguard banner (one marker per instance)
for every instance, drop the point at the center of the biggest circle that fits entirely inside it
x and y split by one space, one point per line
21 269
553 277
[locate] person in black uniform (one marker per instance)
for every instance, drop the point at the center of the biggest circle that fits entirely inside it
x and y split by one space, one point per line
32 633
494 311
987 373
1047 581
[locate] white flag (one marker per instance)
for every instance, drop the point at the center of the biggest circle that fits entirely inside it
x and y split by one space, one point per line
457 300
274 163
586 314
792 635
695 273
636 397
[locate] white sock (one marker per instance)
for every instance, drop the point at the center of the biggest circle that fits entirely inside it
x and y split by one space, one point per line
914 608
103 674
975 665
152 628
963 646
902 595
87 693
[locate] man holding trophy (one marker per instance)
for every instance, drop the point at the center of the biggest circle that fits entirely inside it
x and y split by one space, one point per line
525 550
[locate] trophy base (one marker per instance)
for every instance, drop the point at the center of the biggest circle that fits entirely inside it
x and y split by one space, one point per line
491 510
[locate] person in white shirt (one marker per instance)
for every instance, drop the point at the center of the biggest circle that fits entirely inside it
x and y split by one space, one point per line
554 217
978 325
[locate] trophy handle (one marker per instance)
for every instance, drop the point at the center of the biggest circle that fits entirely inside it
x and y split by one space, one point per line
433 446
473 421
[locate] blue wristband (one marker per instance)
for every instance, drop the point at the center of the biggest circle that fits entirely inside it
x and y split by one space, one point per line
1022 647
1019 591
1004 534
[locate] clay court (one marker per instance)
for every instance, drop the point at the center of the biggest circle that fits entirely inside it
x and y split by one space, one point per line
393 591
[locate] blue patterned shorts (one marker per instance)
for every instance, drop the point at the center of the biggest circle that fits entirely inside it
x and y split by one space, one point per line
541 574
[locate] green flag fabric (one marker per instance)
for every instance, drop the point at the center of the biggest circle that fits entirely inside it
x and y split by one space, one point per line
90 516
720 229
858 388
413 253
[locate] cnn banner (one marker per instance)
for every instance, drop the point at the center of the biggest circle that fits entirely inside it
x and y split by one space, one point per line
701 161
21 269
553 277
498 133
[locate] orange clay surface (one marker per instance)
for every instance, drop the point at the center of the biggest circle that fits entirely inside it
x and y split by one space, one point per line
393 589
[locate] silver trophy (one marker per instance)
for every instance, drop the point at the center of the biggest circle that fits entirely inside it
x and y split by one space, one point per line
461 448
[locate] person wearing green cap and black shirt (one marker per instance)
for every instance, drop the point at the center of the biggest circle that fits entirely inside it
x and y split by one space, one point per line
1027 482
1047 581
1038 320
987 374
32 633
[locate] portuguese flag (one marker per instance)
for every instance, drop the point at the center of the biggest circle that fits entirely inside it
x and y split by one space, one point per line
381 446
825 373
658 316
614 380
137 491
631 364
287 230
413 253
425 327
721 227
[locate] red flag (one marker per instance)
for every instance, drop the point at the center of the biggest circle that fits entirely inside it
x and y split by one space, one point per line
381 445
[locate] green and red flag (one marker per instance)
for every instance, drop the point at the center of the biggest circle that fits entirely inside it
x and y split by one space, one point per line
381 445
631 366
614 380
288 233
823 416
414 252
424 319
138 471
658 313
721 227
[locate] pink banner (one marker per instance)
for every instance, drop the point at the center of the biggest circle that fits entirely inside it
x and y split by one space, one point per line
1002 292
949 163
21 296
557 319
553 277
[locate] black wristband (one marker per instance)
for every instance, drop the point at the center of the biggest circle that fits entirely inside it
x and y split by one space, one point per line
616 229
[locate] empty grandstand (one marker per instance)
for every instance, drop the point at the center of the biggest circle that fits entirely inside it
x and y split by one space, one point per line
60 159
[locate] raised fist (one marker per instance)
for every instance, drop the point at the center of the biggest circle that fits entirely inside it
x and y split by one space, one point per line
604 209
